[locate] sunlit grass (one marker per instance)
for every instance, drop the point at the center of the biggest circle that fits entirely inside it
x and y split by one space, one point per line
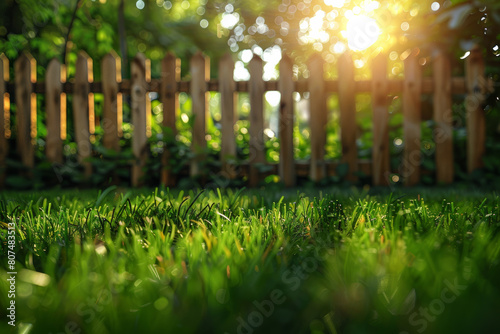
220 261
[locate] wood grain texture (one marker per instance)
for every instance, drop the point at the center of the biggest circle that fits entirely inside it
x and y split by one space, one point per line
81 111
228 107
476 120
256 96
286 116
53 143
412 119
380 105
347 104
139 109
200 73
170 76
443 117
25 109
318 117
111 110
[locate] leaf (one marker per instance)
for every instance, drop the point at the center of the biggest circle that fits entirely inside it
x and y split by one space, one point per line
103 195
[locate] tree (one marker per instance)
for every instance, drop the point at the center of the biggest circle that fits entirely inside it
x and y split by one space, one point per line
48 28
299 27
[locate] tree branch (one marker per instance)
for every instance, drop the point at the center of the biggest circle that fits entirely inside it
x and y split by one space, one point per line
65 51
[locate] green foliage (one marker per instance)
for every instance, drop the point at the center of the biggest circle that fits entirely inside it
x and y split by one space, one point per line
42 27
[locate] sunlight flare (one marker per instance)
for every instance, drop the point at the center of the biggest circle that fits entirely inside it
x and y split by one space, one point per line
361 32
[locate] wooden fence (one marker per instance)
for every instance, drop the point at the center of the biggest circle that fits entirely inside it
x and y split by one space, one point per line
55 87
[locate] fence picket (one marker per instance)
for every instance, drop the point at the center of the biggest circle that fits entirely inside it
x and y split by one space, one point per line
286 88
111 114
380 91
475 116
25 75
443 131
347 104
200 73
53 144
227 88
171 72
442 85
256 95
318 117
412 93
4 118
81 110
140 108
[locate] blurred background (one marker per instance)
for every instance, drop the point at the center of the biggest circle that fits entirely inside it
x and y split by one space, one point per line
61 28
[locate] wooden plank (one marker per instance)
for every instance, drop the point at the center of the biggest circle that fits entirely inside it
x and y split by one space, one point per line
139 72
380 92
81 109
4 118
256 95
318 117
475 115
25 75
347 104
227 102
200 73
443 117
331 86
412 91
285 84
110 73
54 144
170 76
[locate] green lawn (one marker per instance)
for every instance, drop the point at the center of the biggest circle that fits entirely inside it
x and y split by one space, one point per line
249 261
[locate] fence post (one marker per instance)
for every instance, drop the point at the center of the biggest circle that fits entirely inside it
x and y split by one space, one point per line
81 110
200 73
412 91
380 91
443 131
318 117
140 71
256 95
111 118
286 88
53 90
25 69
227 88
476 123
347 104
170 75
4 118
